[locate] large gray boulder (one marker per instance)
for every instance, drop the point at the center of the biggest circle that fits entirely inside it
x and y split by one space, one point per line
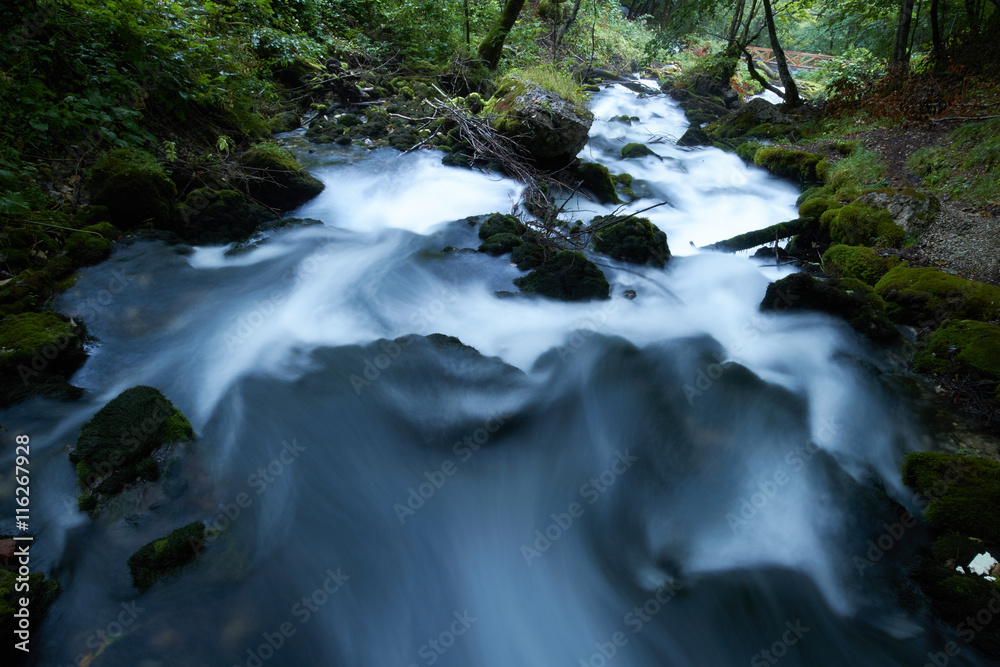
548 127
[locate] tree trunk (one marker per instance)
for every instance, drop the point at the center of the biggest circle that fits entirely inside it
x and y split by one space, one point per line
916 24
567 24
791 90
900 54
745 39
734 26
492 46
468 38
935 30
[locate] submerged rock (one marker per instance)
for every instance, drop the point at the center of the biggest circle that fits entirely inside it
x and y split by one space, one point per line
567 276
166 556
598 180
635 150
548 127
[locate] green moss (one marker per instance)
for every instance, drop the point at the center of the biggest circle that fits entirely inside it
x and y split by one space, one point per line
134 187
847 298
87 249
814 207
964 347
597 179
634 240
114 447
927 296
25 333
568 276
276 179
634 150
964 492
166 556
622 179
748 150
528 256
283 122
498 223
860 224
857 262
788 162
500 244
41 593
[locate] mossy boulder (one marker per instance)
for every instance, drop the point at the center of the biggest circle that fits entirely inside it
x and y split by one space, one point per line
964 492
166 556
134 188
114 448
567 276
911 209
848 299
220 216
693 136
926 297
500 223
597 179
815 206
859 262
964 347
634 240
528 256
500 244
789 162
549 128
758 117
860 224
748 150
276 179
631 151
37 352
91 245
285 121
41 593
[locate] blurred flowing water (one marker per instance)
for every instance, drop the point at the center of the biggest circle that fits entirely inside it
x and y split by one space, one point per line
677 479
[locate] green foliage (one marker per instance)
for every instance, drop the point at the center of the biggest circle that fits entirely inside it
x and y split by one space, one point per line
967 167
134 187
860 170
166 556
114 444
555 79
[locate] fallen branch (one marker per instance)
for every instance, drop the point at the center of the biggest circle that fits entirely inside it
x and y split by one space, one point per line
753 239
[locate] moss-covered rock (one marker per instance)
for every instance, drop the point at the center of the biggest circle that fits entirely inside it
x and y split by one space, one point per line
597 179
220 216
500 244
758 117
964 347
276 179
37 352
860 224
500 223
926 297
41 593
548 127
567 276
166 556
814 207
528 256
693 136
789 162
859 262
285 121
631 151
635 240
134 187
748 150
114 447
911 209
848 299
91 245
964 492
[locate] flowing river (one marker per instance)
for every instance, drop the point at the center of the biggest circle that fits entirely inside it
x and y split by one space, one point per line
673 480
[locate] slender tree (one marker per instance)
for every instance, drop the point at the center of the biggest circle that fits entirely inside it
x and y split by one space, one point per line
791 95
567 24
492 45
900 52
